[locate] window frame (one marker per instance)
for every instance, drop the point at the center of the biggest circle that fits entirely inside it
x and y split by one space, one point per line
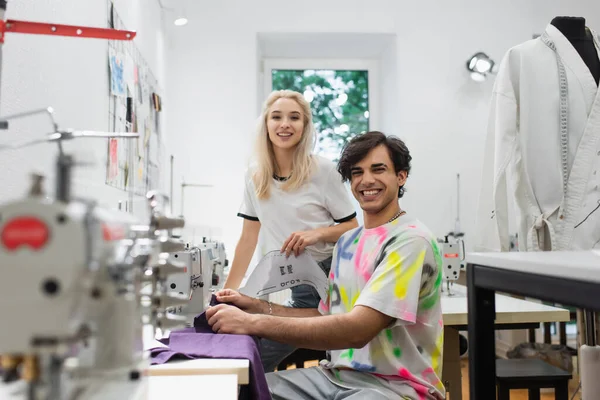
371 66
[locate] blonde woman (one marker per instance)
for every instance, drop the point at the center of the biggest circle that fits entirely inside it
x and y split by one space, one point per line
294 198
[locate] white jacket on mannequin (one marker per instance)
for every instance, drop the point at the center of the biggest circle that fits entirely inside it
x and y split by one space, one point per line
543 145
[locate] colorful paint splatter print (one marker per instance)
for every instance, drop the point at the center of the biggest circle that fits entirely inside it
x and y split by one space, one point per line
395 269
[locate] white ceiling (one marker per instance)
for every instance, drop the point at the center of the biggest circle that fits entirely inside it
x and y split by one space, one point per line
324 45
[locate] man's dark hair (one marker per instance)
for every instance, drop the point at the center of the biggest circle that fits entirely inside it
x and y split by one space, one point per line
358 148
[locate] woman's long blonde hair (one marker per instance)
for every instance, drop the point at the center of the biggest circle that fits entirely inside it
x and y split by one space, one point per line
302 164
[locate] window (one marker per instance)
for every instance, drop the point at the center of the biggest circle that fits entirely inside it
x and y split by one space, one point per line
339 94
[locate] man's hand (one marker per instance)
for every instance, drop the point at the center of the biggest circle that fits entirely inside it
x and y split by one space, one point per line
228 319
239 300
298 241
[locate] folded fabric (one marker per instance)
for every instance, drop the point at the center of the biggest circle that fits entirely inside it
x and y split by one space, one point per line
201 342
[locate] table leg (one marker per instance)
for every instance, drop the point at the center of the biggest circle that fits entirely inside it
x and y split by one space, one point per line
547 335
531 335
534 394
561 391
482 342
562 327
451 370
503 392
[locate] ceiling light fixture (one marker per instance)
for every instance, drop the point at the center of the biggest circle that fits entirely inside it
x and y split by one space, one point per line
180 21
180 18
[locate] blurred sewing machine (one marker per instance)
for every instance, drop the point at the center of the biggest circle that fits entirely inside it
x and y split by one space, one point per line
72 311
203 273
71 271
452 252
220 261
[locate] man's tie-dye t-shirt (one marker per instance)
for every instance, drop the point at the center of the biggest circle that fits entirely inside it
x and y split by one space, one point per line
396 270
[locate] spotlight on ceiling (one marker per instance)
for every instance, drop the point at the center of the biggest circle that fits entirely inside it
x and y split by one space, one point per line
180 21
480 66
180 18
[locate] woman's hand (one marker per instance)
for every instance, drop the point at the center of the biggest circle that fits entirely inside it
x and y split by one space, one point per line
239 300
298 241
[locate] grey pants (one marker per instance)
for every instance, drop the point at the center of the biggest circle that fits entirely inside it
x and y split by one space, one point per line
303 296
310 383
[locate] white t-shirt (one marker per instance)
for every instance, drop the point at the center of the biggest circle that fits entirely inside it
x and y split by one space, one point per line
321 202
395 269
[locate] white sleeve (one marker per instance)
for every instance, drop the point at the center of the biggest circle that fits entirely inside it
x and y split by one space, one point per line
493 213
247 209
337 198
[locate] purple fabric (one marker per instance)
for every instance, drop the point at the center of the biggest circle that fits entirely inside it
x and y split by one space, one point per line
201 342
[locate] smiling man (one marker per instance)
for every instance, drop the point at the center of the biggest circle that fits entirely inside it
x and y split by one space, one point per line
382 321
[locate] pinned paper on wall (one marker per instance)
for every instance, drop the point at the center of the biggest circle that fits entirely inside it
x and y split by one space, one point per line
123 163
139 142
153 148
126 174
144 88
134 106
119 123
156 102
140 150
138 84
140 168
129 114
147 133
117 86
113 159
129 73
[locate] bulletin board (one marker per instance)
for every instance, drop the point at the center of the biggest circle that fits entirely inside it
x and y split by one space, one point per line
135 105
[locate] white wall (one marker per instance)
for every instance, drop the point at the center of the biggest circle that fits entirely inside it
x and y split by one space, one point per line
71 75
213 82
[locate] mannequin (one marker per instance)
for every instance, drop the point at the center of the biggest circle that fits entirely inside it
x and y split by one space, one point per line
581 38
545 101
541 167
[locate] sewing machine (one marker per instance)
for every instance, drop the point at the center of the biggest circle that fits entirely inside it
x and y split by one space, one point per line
220 261
194 283
453 256
453 250
202 274
73 316
72 311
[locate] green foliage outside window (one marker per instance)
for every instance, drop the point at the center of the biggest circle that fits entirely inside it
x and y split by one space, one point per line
339 100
